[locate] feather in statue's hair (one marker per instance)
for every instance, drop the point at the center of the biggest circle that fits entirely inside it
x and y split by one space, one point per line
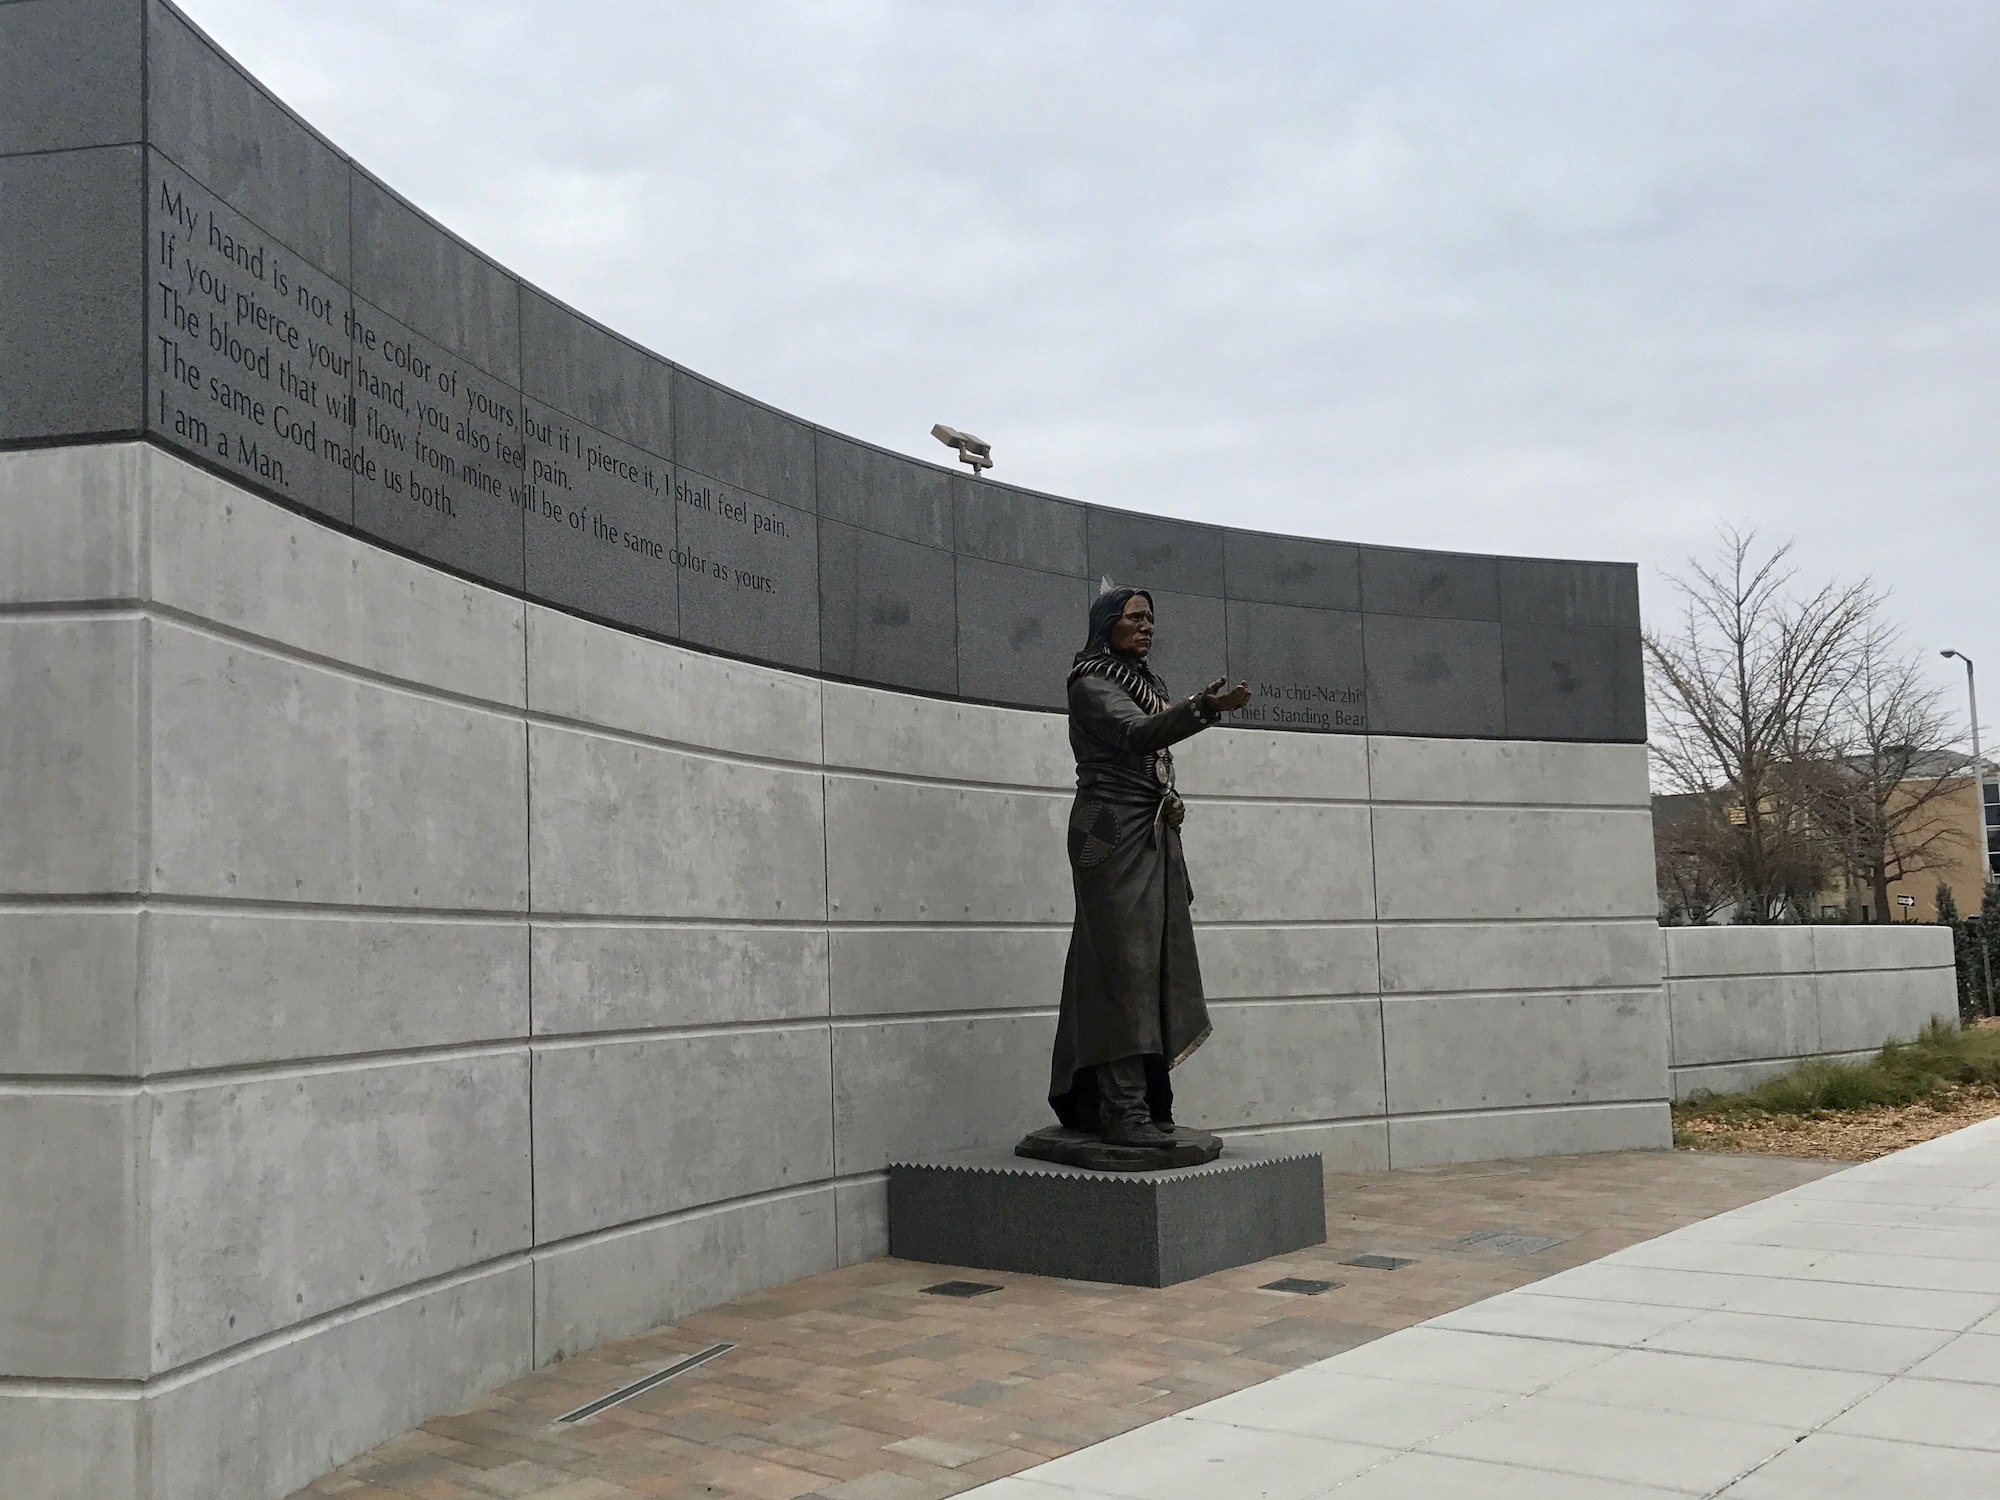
1105 586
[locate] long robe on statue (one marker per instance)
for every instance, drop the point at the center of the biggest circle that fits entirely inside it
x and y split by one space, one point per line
1132 983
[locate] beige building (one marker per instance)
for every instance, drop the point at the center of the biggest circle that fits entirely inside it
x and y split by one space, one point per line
1965 865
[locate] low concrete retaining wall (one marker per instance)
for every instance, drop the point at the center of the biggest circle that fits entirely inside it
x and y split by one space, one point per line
1746 1003
408 981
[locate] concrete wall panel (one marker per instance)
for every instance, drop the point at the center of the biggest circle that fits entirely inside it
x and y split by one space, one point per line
1269 963
1436 1140
280 780
1732 1020
277 576
62 1444
635 830
592 674
1860 1011
1279 861
69 992
1701 952
871 730
639 1128
899 970
1343 1145
861 1219
71 520
1295 767
607 976
905 852
1481 1052
73 1237
1285 1062
70 759
1892 946
910 1088
1483 864
615 1285
278 1199
233 988
1445 956
268 1423
1751 1002
1507 771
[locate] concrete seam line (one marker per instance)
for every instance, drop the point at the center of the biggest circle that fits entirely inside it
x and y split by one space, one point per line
585 1239
74 610
1502 1111
570 1041
925 1018
266 1070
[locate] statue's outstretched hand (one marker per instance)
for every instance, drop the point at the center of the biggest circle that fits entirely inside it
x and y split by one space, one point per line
1222 703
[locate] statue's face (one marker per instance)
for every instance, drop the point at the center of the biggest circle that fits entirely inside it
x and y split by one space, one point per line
1132 631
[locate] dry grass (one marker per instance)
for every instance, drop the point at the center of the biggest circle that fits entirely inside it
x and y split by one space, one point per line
1912 1092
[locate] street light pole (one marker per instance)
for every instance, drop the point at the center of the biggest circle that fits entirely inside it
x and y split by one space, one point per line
1979 821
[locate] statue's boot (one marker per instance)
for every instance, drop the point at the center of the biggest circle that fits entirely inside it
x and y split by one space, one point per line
1122 1108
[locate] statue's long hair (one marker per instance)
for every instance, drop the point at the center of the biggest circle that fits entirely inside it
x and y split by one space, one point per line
1097 659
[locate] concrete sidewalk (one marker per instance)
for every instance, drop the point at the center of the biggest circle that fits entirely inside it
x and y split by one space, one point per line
1841 1339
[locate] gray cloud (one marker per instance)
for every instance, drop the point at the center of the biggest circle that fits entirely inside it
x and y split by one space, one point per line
1564 279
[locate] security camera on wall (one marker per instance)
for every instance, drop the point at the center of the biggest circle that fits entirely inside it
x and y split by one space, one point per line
975 453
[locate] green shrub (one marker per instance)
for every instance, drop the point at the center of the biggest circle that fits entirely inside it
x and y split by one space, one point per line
1902 1073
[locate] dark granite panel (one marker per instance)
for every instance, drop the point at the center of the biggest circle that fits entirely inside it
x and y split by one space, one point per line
453 470
1190 640
884 492
749 573
1006 525
1575 682
213 121
1438 677
886 610
1568 593
1304 667
252 359
595 376
742 442
1017 630
69 75
1293 570
1154 553
72 276
999 1211
600 524
432 283
1446 585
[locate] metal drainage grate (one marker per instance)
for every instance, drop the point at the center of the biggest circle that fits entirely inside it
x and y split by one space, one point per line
1506 1241
960 1289
1304 1286
640 1387
1379 1262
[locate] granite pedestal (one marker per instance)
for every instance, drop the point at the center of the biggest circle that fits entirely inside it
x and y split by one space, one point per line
992 1209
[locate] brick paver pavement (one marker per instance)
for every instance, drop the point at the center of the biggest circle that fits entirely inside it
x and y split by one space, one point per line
856 1385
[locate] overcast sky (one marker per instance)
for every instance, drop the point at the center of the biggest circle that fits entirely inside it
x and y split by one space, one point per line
1572 279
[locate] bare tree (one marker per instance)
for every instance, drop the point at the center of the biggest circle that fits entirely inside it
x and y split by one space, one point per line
1885 798
1746 698
1693 859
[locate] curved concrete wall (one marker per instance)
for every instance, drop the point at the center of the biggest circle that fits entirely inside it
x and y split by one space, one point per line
188 261
1748 1003
406 984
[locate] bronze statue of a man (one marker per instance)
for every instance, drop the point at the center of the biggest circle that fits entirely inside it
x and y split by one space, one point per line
1132 1004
